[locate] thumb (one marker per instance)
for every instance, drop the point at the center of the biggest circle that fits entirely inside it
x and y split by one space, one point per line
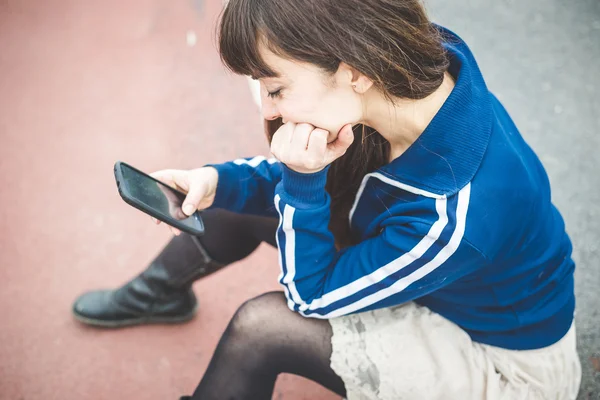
344 139
194 197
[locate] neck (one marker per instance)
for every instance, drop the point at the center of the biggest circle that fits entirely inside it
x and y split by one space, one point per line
402 122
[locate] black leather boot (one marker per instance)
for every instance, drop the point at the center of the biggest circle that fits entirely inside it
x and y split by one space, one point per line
160 294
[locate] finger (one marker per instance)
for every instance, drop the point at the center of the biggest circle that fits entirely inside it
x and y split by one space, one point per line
281 138
177 179
175 231
317 145
300 136
339 146
196 193
276 143
179 214
156 221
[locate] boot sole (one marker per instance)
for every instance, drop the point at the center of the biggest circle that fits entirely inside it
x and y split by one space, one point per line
137 321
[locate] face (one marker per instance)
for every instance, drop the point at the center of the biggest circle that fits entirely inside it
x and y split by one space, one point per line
304 93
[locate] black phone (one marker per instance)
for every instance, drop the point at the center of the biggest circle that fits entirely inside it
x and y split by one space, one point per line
153 197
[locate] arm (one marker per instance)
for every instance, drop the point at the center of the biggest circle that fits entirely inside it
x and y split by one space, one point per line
247 185
412 256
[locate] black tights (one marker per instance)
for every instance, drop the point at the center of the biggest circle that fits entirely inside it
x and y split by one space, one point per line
264 338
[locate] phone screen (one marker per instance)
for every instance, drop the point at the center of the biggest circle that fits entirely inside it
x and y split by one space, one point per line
157 196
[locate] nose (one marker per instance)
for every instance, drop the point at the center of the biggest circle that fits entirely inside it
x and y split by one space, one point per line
269 109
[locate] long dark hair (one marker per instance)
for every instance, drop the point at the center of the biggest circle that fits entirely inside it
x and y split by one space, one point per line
390 41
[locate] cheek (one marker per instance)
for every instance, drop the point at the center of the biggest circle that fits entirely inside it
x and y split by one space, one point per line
292 107
339 111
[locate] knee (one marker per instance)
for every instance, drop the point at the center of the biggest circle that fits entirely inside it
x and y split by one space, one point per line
257 317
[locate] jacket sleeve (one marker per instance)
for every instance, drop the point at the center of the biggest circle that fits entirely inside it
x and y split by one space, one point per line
409 258
247 186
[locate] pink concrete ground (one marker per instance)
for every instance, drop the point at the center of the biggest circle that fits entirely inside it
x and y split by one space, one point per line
83 84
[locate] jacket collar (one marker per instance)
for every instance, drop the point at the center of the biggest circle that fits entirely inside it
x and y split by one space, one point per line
449 152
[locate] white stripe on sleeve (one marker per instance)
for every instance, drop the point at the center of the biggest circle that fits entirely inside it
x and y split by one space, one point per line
403 283
254 162
382 272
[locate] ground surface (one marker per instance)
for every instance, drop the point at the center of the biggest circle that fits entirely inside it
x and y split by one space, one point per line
83 84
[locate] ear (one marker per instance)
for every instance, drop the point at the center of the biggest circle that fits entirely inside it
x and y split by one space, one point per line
359 82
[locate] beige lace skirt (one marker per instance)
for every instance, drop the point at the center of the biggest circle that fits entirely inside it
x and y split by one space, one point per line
408 352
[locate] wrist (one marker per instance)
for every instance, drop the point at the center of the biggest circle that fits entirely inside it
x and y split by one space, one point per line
306 188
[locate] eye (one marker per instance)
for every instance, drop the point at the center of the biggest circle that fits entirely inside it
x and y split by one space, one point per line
274 94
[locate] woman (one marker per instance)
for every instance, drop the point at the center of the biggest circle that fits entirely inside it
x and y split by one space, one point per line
420 254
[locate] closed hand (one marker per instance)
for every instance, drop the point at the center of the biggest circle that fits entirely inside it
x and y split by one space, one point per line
304 148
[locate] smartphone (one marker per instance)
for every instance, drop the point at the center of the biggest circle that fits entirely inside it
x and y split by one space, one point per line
153 197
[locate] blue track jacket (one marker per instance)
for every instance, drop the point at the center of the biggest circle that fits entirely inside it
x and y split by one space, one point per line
461 223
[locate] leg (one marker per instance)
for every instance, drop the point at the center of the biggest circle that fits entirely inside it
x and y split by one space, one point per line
162 292
264 339
231 237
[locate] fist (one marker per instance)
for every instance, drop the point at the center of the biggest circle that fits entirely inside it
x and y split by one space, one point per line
304 148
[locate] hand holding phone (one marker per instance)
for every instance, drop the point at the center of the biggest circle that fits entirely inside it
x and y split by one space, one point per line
171 196
200 186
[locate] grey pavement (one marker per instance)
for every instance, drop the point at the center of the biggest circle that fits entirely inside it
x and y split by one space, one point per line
542 60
